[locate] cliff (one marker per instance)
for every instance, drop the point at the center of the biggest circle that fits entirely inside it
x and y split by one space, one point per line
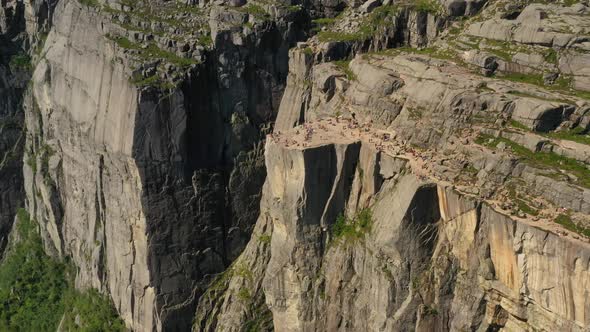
314 166
421 189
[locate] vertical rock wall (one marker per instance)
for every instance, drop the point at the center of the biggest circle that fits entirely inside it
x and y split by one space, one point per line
150 192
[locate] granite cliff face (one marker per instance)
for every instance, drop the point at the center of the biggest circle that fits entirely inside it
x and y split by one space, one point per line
422 189
143 165
315 166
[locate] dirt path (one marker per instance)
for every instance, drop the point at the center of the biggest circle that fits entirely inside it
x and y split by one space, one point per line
348 130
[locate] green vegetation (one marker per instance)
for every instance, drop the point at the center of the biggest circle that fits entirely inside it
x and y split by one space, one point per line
353 228
95 311
521 203
430 311
434 52
542 159
380 17
345 67
376 20
563 84
154 81
322 22
260 317
36 290
265 238
90 3
31 284
255 10
551 56
518 125
524 207
327 36
244 294
32 162
530 95
123 42
152 51
567 222
536 79
21 61
428 6
46 152
149 81
41 155
577 135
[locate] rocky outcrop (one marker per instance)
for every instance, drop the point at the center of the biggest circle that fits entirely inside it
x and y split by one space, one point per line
407 191
145 166
431 258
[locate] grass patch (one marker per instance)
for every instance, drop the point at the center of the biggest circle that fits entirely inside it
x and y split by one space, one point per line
576 135
255 10
353 228
530 95
264 238
319 23
152 51
563 84
244 294
36 290
525 207
123 42
377 19
486 140
428 6
536 79
344 65
567 222
550 56
542 159
518 125
328 36
521 204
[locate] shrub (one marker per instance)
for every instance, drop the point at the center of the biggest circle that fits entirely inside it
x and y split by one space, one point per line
31 284
21 61
36 290
352 228
94 310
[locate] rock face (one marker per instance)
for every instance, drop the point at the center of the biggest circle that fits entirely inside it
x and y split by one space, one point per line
14 74
326 166
11 148
149 188
407 191
433 258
